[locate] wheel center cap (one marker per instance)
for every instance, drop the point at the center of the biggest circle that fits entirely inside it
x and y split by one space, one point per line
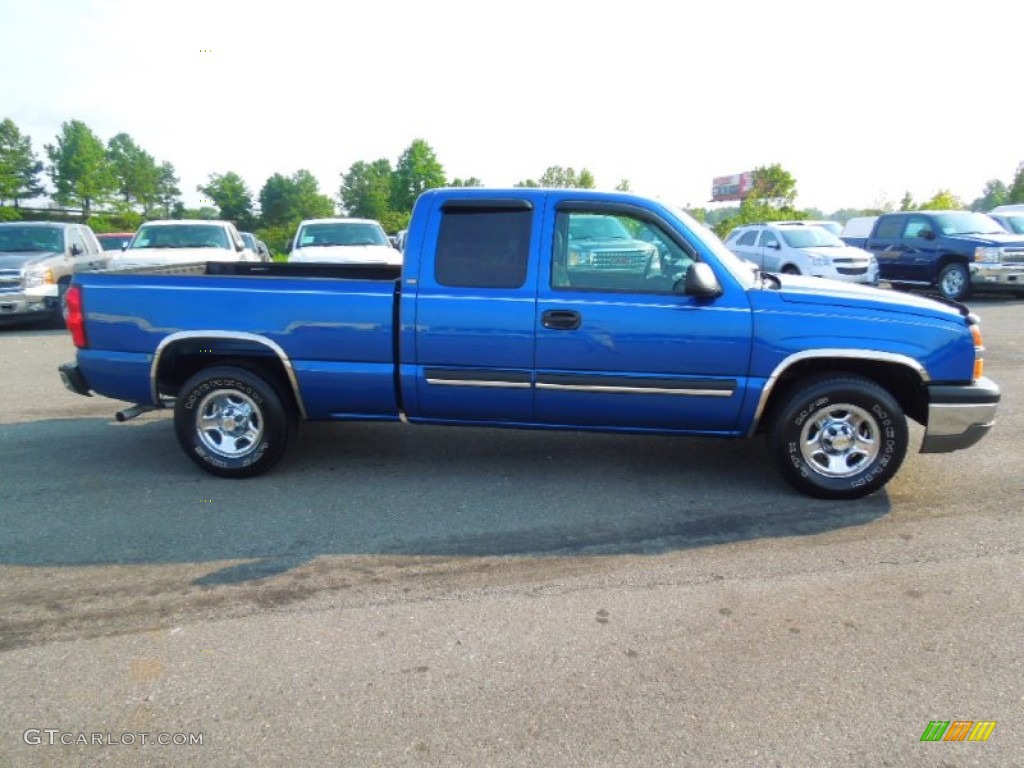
837 438
233 420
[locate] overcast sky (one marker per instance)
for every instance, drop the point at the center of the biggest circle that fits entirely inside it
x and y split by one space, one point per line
859 101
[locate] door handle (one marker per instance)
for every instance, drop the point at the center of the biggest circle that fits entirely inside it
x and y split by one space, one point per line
561 320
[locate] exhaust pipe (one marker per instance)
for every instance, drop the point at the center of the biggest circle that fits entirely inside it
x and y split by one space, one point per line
136 410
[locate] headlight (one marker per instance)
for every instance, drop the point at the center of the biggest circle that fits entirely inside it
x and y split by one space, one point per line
987 253
578 258
818 261
36 277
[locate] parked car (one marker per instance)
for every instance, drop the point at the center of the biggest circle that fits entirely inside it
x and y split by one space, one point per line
1010 221
343 241
953 251
37 262
796 248
255 246
182 241
115 241
1011 208
475 329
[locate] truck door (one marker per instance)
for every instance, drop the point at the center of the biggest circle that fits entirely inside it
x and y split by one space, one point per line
474 312
886 242
919 238
616 347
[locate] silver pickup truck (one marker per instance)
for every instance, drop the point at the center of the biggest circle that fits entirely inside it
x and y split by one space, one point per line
37 261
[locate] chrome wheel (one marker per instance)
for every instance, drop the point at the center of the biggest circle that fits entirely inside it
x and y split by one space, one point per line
229 423
840 440
954 282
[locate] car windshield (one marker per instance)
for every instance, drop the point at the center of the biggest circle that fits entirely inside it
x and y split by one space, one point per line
15 238
809 237
181 236
737 267
1014 224
113 242
597 228
342 233
967 224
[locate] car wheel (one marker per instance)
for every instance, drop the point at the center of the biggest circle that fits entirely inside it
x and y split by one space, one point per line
57 318
839 437
232 422
955 282
789 269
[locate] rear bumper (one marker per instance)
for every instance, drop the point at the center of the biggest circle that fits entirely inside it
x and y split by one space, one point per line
959 416
74 380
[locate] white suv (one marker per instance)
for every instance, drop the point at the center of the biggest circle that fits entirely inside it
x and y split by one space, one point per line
796 248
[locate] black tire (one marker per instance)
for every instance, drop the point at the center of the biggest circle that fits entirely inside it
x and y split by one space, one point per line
789 269
260 427
56 319
954 281
839 436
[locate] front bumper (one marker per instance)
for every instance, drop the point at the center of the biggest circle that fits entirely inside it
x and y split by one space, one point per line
27 304
959 416
73 379
1006 276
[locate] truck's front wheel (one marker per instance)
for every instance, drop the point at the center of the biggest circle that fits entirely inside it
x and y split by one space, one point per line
955 282
231 422
839 437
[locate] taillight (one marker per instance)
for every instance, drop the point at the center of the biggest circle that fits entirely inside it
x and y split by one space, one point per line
74 317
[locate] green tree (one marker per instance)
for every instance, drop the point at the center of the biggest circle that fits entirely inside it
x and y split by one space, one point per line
907 203
366 189
995 193
229 193
287 201
1016 194
417 171
623 186
772 186
943 200
527 183
19 168
136 172
168 193
472 181
79 168
771 198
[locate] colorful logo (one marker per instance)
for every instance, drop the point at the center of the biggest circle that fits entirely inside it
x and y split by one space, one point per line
958 730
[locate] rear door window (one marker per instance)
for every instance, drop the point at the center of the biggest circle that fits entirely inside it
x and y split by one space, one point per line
483 248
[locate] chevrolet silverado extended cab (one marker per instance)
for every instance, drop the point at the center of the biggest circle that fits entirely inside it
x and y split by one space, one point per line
954 251
489 323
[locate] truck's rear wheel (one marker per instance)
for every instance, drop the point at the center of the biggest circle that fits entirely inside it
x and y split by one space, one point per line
839 437
231 422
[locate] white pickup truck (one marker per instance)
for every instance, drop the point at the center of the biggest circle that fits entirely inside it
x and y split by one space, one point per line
182 241
343 241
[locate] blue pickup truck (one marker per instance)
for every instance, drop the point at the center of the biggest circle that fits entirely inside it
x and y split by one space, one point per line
953 251
496 319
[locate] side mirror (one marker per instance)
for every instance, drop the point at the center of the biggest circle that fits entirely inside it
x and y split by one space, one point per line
124 246
926 234
76 250
775 246
700 280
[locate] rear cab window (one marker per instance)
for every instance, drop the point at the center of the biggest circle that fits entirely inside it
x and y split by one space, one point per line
481 247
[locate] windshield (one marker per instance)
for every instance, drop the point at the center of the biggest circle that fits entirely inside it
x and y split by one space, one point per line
181 236
737 267
597 228
342 233
967 224
809 237
15 238
1014 224
113 242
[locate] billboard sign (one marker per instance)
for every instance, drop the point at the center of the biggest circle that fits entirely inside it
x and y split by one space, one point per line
735 187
